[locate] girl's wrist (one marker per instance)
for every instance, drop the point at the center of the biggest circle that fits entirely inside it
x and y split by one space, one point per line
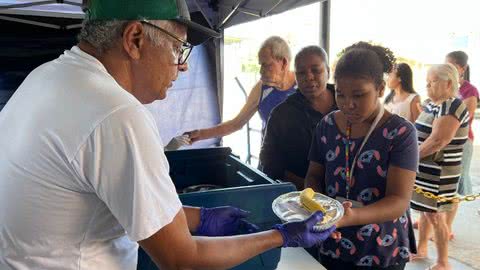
348 219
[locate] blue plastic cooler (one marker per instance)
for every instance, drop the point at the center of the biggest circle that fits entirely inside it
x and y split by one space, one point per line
236 184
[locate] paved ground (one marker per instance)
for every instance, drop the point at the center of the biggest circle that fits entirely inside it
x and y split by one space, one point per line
464 250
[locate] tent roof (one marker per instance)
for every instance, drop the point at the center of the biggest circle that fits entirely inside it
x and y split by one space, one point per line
220 13
69 9
241 11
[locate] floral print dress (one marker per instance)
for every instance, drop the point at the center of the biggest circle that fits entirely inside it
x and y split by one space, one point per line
393 143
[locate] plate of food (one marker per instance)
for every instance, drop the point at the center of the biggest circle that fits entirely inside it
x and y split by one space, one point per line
299 205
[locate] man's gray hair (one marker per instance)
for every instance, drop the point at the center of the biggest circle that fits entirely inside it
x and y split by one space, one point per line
103 34
447 72
278 47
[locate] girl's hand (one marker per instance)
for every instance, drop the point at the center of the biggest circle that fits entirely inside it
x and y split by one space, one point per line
345 221
336 235
348 216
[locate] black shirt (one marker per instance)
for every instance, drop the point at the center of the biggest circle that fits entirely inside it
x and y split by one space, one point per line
288 137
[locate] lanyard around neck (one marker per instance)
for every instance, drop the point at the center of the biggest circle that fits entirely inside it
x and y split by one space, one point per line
350 169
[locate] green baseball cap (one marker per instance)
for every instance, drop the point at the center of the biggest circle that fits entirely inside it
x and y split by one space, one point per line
176 10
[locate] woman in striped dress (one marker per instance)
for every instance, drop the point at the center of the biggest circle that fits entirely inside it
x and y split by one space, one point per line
468 93
442 131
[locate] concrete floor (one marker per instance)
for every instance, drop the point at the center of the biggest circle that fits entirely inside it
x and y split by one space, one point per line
464 250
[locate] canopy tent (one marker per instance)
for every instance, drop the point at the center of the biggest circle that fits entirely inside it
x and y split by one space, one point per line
35 31
220 13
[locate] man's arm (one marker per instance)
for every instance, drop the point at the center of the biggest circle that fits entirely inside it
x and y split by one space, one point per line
192 215
218 221
173 247
230 126
315 178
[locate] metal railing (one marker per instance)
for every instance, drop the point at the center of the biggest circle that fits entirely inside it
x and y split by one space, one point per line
249 129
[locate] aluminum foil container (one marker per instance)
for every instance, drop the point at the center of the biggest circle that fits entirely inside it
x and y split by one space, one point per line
288 208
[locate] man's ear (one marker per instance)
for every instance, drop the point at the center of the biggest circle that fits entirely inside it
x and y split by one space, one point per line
381 89
285 64
133 39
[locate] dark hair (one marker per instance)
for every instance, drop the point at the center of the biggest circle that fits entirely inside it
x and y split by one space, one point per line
461 58
404 72
365 60
312 50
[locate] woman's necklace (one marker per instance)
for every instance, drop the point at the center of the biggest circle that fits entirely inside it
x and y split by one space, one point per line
349 169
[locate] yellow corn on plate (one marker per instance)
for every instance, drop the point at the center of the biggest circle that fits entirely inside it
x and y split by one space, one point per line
306 199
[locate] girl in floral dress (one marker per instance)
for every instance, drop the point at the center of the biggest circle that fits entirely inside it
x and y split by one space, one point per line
365 157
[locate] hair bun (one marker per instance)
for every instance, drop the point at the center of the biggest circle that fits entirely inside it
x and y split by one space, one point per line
385 55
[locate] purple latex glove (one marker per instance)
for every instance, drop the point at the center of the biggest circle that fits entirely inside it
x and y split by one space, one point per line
225 220
302 233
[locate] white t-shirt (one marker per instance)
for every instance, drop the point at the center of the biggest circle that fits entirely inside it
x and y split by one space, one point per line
401 108
83 175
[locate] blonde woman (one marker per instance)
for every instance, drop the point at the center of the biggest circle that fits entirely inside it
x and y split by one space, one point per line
442 131
468 93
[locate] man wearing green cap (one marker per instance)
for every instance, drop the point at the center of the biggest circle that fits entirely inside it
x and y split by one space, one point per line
83 177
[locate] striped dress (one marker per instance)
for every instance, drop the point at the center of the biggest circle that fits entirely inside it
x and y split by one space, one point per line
439 172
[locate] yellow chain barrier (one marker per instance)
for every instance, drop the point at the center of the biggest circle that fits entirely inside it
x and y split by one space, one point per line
456 199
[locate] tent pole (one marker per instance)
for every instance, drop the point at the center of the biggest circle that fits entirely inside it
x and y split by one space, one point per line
219 65
252 12
274 6
72 3
229 15
47 25
72 26
203 13
324 26
249 151
24 5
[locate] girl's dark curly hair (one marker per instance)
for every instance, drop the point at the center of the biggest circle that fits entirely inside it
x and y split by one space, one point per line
365 60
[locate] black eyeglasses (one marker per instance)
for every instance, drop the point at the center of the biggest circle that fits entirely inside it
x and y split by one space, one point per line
186 48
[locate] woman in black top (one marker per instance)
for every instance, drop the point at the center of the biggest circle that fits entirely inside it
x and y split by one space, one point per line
284 152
